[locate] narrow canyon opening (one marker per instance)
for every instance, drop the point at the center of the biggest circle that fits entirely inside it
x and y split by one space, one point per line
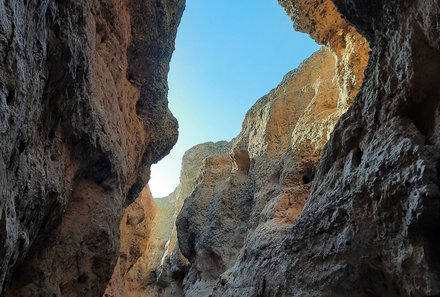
227 56
238 192
302 174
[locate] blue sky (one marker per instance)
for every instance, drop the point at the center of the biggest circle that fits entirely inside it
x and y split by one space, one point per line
228 54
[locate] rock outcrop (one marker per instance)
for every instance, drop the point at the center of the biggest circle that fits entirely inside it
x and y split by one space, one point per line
150 264
83 116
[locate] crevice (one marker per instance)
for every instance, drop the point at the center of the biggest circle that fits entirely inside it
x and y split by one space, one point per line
10 97
309 172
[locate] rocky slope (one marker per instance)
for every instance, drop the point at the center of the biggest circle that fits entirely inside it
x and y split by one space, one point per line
83 116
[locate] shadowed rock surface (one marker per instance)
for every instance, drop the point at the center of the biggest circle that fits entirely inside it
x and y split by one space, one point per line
83 116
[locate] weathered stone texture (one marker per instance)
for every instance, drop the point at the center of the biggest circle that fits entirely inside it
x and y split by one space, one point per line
370 226
247 201
157 267
83 116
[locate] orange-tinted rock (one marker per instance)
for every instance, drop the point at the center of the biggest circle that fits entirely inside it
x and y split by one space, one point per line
370 225
155 267
322 21
247 200
136 228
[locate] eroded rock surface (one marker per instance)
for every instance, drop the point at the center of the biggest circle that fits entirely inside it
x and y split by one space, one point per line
247 200
136 229
83 116
370 226
150 264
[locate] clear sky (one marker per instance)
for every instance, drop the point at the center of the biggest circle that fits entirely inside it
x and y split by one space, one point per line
229 53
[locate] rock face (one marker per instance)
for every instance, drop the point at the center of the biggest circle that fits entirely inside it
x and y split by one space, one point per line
366 221
83 116
136 229
370 226
150 264
248 199
322 21
288 208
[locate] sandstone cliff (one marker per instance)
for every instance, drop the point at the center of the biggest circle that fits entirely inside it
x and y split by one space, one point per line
83 116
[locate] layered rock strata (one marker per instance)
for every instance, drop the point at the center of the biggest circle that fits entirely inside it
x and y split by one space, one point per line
83 116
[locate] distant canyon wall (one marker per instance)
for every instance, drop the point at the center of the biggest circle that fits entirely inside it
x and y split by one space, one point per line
249 199
83 116
150 262
241 198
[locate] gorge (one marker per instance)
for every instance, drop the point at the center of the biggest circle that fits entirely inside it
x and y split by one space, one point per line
330 189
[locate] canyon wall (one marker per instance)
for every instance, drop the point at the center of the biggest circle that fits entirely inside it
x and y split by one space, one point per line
150 264
330 189
370 226
264 221
240 199
83 116
248 200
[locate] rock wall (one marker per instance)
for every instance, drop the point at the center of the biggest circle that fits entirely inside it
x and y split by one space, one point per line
136 229
370 225
288 208
83 116
323 22
150 264
247 200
